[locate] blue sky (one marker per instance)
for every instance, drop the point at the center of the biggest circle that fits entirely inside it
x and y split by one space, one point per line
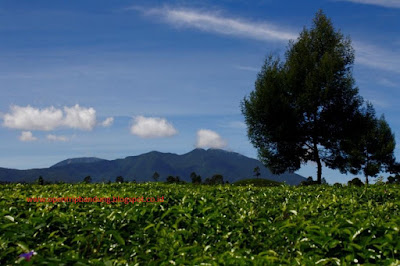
117 78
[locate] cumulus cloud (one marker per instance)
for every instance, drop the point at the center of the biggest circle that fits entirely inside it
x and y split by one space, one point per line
30 118
56 138
217 23
108 122
27 136
209 139
152 127
80 117
50 118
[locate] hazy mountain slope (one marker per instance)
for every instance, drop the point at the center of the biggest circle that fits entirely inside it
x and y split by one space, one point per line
205 163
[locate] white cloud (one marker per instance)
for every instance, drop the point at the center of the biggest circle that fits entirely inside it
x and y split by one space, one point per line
56 138
50 118
30 118
384 3
217 23
80 117
152 127
27 136
209 139
369 55
108 122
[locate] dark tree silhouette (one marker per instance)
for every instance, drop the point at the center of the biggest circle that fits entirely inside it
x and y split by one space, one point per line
307 107
119 179
156 176
257 172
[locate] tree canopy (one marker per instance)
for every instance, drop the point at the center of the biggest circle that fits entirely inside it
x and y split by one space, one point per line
307 108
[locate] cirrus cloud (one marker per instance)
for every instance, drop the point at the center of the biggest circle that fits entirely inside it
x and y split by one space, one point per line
215 22
384 3
50 118
56 138
152 127
209 139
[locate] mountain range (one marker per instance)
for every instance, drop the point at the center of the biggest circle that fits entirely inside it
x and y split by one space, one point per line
232 166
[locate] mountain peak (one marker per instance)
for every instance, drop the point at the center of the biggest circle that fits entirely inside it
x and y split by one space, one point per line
77 161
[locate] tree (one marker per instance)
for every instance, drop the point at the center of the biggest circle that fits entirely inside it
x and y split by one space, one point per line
257 172
174 179
119 179
355 182
156 176
40 181
87 179
374 149
215 180
305 108
196 179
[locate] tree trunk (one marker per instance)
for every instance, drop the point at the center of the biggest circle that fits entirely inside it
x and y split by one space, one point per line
319 164
366 179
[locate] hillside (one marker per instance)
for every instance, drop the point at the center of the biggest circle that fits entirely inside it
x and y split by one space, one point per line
233 166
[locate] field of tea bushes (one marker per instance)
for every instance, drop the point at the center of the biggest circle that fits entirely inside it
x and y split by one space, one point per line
206 225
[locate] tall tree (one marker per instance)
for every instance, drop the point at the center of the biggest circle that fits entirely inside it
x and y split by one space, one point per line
304 108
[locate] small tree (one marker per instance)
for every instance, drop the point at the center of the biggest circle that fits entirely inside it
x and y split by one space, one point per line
373 151
156 176
119 179
257 172
355 182
174 179
87 179
40 181
196 179
215 180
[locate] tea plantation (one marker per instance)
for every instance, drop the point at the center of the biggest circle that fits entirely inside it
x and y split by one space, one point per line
207 225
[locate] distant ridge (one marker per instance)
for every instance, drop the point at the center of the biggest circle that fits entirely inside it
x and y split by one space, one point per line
77 160
233 166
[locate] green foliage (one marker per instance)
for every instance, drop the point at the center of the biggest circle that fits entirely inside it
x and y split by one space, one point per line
337 185
174 180
305 108
257 182
309 182
355 182
211 225
394 179
373 151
